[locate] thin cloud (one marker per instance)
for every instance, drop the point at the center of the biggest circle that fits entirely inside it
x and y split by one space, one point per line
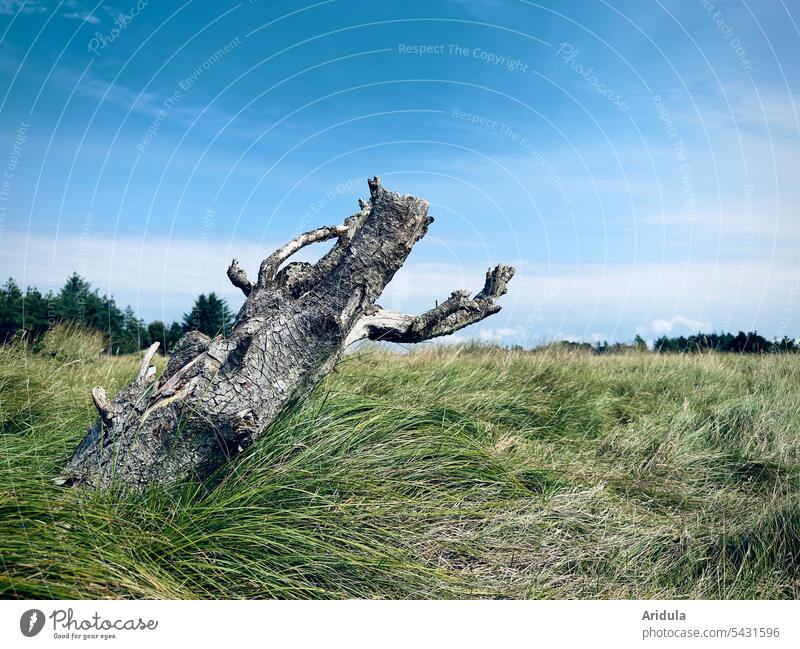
11 7
85 17
679 322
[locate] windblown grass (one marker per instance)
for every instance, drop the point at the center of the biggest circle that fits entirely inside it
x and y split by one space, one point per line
451 472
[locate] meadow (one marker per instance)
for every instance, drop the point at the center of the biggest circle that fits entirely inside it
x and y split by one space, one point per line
443 472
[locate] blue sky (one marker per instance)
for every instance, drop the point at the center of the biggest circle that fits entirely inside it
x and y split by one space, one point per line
636 161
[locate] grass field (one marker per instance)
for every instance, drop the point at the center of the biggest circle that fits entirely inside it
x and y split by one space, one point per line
444 473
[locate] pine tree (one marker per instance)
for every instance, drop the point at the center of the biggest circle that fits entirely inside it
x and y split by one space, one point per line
209 315
174 334
11 310
37 313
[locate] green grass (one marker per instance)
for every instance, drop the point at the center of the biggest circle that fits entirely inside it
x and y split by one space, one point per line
444 473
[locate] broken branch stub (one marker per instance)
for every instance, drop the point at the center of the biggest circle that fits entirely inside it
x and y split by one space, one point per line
216 396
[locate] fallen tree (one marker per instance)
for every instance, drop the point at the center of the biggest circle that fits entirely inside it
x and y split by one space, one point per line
216 396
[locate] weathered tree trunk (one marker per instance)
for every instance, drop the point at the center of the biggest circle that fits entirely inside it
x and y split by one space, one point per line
217 395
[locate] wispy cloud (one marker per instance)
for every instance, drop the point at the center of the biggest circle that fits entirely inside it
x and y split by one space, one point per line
748 106
85 17
678 322
11 7
176 109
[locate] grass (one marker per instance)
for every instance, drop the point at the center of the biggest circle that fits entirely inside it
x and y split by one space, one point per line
443 473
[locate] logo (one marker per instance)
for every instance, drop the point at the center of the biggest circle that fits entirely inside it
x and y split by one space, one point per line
31 622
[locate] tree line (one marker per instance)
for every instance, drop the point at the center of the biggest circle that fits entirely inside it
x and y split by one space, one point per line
30 314
742 343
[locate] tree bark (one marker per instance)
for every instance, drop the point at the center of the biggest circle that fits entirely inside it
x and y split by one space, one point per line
218 395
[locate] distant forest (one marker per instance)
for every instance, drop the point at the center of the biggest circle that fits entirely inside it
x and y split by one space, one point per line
29 314
742 343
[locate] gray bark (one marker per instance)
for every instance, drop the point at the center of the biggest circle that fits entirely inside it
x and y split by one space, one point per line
218 395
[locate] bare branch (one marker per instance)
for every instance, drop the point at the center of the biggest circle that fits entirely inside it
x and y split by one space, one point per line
374 185
456 312
103 405
271 264
496 284
297 278
238 277
148 356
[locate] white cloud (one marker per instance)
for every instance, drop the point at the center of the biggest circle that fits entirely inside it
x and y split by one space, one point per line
746 106
11 7
89 18
661 327
501 334
157 276
594 337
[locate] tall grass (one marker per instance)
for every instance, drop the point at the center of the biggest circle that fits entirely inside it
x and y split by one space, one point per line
458 472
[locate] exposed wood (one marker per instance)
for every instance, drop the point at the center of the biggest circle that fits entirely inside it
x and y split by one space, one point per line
238 277
103 405
145 364
218 395
269 267
456 312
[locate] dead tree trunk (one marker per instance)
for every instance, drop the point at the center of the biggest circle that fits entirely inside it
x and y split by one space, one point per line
217 395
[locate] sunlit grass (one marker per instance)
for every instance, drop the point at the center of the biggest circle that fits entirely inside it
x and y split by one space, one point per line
450 472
